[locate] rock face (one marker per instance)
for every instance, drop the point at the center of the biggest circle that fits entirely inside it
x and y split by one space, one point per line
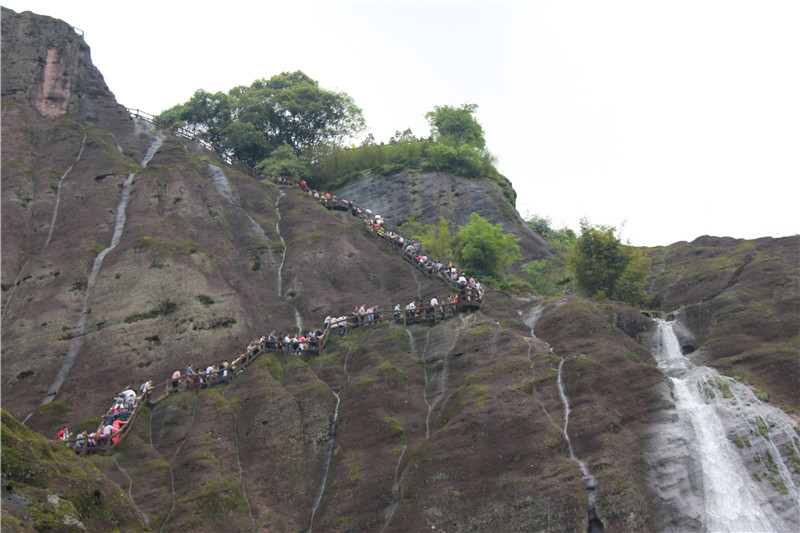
46 64
737 302
427 197
46 487
458 426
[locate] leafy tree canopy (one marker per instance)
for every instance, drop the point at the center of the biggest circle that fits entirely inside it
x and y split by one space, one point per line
284 162
248 123
484 248
437 240
456 126
605 268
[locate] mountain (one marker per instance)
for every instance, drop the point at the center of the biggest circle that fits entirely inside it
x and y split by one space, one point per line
128 253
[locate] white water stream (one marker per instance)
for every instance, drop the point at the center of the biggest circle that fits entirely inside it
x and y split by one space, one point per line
590 483
58 193
119 227
723 461
328 460
283 242
49 234
224 188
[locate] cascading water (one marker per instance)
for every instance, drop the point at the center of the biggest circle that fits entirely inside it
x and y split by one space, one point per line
419 285
297 317
49 232
224 188
58 193
283 242
119 227
590 483
425 389
723 459
328 459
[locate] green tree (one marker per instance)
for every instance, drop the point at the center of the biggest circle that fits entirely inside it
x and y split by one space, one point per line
549 273
437 240
604 268
284 162
305 114
456 126
289 109
630 285
205 115
484 248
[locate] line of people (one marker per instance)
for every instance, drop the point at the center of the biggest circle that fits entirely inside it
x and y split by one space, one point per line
113 423
360 316
468 288
298 342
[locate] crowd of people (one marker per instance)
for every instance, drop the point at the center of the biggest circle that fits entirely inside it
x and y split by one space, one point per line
112 425
360 316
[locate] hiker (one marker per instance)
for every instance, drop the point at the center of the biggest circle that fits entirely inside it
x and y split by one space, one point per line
79 441
176 379
146 388
63 435
130 398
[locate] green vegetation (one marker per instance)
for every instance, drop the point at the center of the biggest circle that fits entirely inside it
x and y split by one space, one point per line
188 247
550 274
288 125
356 476
456 145
205 299
484 248
289 109
398 431
437 241
164 307
605 268
58 490
479 247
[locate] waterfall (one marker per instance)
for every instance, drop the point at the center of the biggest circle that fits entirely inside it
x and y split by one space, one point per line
425 389
49 235
224 188
723 460
328 459
590 483
58 193
298 320
283 242
119 227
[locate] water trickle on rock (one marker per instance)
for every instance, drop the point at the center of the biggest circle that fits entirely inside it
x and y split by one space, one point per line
590 483
328 460
283 242
119 227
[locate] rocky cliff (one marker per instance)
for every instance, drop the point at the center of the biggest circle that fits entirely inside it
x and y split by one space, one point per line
427 197
128 253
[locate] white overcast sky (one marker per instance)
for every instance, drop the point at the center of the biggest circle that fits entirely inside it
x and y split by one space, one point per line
668 120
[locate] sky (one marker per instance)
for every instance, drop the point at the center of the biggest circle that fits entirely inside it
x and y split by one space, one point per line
666 120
